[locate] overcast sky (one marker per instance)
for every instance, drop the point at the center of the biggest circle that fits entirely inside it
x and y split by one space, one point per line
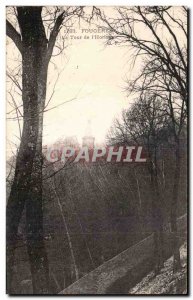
92 74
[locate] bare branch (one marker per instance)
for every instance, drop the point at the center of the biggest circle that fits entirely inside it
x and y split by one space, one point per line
53 35
14 35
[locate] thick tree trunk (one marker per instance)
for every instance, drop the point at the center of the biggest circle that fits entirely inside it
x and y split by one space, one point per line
27 185
174 208
34 209
18 195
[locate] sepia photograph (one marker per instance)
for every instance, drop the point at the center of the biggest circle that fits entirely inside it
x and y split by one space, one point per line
97 154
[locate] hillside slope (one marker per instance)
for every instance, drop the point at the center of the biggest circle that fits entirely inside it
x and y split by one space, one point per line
166 282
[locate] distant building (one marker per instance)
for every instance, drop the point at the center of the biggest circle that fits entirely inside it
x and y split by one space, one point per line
88 139
70 141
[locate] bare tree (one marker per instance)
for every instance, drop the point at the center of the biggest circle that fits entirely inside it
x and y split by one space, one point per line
162 54
35 35
143 124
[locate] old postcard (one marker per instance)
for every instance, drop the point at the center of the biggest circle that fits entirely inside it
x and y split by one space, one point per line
97 147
